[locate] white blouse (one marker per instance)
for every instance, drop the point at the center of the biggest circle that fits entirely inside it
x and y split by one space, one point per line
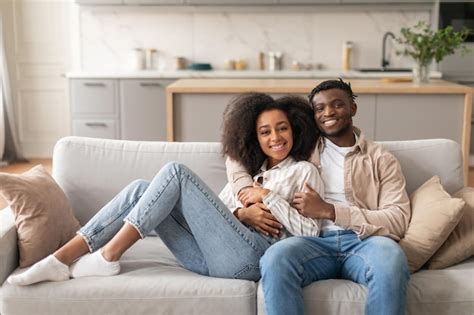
284 180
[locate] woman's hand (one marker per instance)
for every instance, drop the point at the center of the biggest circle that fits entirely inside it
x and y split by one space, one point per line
258 216
250 195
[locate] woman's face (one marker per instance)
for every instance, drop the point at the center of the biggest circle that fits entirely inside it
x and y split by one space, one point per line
275 135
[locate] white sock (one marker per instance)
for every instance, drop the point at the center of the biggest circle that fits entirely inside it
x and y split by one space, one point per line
47 269
94 265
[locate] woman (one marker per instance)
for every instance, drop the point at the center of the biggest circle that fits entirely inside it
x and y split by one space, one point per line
268 137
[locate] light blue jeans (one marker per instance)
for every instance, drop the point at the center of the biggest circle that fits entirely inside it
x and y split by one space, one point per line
293 263
191 220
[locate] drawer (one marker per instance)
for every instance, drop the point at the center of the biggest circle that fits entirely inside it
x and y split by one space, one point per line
95 128
95 96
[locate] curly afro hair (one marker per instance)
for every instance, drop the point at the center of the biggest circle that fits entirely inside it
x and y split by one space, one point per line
239 134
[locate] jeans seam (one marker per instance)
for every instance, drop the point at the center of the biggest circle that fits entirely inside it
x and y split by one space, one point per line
94 232
368 270
301 272
157 195
242 235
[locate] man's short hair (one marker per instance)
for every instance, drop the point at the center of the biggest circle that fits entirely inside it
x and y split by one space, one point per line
332 84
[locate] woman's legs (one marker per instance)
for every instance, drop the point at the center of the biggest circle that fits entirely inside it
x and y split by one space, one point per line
104 225
228 248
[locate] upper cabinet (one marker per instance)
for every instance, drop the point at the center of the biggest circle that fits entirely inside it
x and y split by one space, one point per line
230 2
154 2
387 1
308 1
99 2
242 2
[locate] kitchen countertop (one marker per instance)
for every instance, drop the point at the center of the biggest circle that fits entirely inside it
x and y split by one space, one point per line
303 86
152 74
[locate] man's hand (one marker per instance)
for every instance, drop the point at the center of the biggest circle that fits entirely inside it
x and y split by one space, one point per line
258 216
311 205
250 195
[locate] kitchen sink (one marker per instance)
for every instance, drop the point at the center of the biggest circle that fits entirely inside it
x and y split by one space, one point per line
384 70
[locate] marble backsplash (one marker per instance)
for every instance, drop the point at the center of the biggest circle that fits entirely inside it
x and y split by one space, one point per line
109 35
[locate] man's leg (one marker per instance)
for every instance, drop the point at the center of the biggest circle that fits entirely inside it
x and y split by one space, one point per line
291 264
380 264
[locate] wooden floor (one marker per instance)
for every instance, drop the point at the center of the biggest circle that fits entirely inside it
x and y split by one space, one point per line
23 167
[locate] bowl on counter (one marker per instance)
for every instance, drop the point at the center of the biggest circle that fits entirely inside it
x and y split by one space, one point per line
200 66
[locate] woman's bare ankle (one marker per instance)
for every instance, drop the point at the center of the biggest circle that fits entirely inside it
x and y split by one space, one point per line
109 255
72 250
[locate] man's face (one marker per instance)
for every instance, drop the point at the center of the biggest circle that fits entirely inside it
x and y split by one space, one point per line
333 112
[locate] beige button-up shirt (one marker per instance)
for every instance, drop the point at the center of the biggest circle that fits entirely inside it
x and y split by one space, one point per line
374 187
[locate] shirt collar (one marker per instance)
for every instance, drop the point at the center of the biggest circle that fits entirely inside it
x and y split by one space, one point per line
289 160
359 145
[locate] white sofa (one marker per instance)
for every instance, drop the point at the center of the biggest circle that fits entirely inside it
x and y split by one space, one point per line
92 171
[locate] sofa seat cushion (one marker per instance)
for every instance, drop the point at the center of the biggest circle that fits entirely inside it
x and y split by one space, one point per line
151 282
447 291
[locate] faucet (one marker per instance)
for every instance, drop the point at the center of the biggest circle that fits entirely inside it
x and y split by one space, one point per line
385 62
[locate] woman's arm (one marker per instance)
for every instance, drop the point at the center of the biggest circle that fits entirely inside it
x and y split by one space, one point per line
291 219
258 216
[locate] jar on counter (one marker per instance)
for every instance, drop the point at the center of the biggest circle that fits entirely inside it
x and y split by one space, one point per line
229 64
346 55
137 59
151 59
180 63
240 64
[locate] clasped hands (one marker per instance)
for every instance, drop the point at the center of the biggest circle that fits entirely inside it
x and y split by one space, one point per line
308 203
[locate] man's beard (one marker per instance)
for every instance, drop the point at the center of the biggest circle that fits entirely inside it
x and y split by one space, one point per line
339 132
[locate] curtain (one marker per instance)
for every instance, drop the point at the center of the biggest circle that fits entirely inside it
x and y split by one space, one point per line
10 150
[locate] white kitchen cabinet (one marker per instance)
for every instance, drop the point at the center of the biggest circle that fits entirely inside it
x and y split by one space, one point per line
309 1
94 108
131 109
230 2
95 128
143 109
153 2
94 97
99 2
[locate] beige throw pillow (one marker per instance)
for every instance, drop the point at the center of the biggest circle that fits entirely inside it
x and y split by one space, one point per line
460 244
434 216
43 216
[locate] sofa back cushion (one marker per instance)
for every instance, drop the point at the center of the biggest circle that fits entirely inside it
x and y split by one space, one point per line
91 171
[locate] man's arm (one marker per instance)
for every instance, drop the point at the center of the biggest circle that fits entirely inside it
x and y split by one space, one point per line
392 216
237 176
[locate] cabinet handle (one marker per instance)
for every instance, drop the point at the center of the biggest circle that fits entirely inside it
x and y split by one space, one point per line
94 84
96 125
144 84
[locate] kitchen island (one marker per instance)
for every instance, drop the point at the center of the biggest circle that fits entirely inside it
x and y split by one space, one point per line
387 110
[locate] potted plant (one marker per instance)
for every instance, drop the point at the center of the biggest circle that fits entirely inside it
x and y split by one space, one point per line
425 45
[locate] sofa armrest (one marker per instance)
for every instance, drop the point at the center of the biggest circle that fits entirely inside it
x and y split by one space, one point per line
8 244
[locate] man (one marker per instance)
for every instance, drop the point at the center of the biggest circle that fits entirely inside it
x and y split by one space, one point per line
364 212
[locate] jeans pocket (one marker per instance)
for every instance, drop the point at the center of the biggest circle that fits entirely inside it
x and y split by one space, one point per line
249 272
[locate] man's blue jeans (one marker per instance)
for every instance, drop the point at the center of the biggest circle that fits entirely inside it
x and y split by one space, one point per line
293 263
190 219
